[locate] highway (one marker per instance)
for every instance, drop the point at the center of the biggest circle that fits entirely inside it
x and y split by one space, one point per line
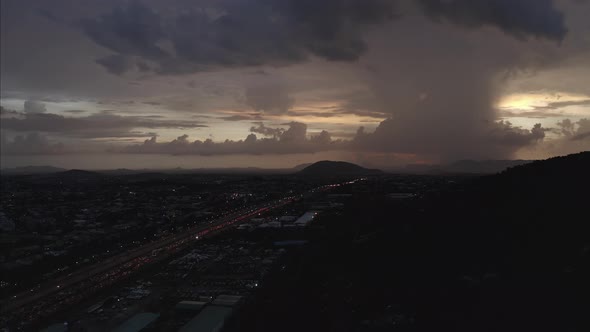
76 286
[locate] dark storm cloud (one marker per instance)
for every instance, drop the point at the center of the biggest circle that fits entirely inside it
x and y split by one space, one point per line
237 33
131 30
520 18
292 140
277 32
92 126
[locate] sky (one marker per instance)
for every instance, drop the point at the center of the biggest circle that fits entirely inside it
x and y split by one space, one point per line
276 83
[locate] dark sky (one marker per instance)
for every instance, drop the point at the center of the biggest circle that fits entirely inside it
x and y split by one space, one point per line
274 83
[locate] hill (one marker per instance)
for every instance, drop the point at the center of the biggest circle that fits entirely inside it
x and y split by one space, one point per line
465 167
336 168
31 170
483 166
490 253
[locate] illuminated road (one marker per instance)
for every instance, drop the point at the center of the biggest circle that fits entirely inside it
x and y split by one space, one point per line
70 289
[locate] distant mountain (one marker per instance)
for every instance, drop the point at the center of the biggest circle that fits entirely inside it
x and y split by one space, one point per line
122 171
336 168
79 174
31 170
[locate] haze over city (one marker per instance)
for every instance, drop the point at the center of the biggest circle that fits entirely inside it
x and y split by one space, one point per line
261 83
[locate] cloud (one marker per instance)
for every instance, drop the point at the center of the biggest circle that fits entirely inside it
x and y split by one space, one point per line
272 99
100 125
574 131
267 131
32 106
440 87
236 33
256 32
497 140
581 136
530 114
32 143
116 64
296 132
292 140
504 133
243 117
436 84
520 18
573 137
131 30
323 138
560 104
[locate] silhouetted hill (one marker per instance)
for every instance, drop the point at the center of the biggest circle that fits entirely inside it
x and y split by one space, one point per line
336 168
31 170
466 167
483 166
504 252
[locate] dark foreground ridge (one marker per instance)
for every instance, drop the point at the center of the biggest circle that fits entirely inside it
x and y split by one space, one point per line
506 252
336 168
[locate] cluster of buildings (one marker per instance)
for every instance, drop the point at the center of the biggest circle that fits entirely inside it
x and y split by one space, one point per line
52 224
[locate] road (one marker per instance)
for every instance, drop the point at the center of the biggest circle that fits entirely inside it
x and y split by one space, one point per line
71 288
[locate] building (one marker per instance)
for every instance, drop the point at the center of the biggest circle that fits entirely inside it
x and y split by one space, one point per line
137 322
210 319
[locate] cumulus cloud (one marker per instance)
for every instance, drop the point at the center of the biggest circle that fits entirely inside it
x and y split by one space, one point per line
497 140
292 140
267 131
297 132
573 137
506 134
574 131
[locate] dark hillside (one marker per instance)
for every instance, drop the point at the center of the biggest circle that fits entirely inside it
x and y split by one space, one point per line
507 252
